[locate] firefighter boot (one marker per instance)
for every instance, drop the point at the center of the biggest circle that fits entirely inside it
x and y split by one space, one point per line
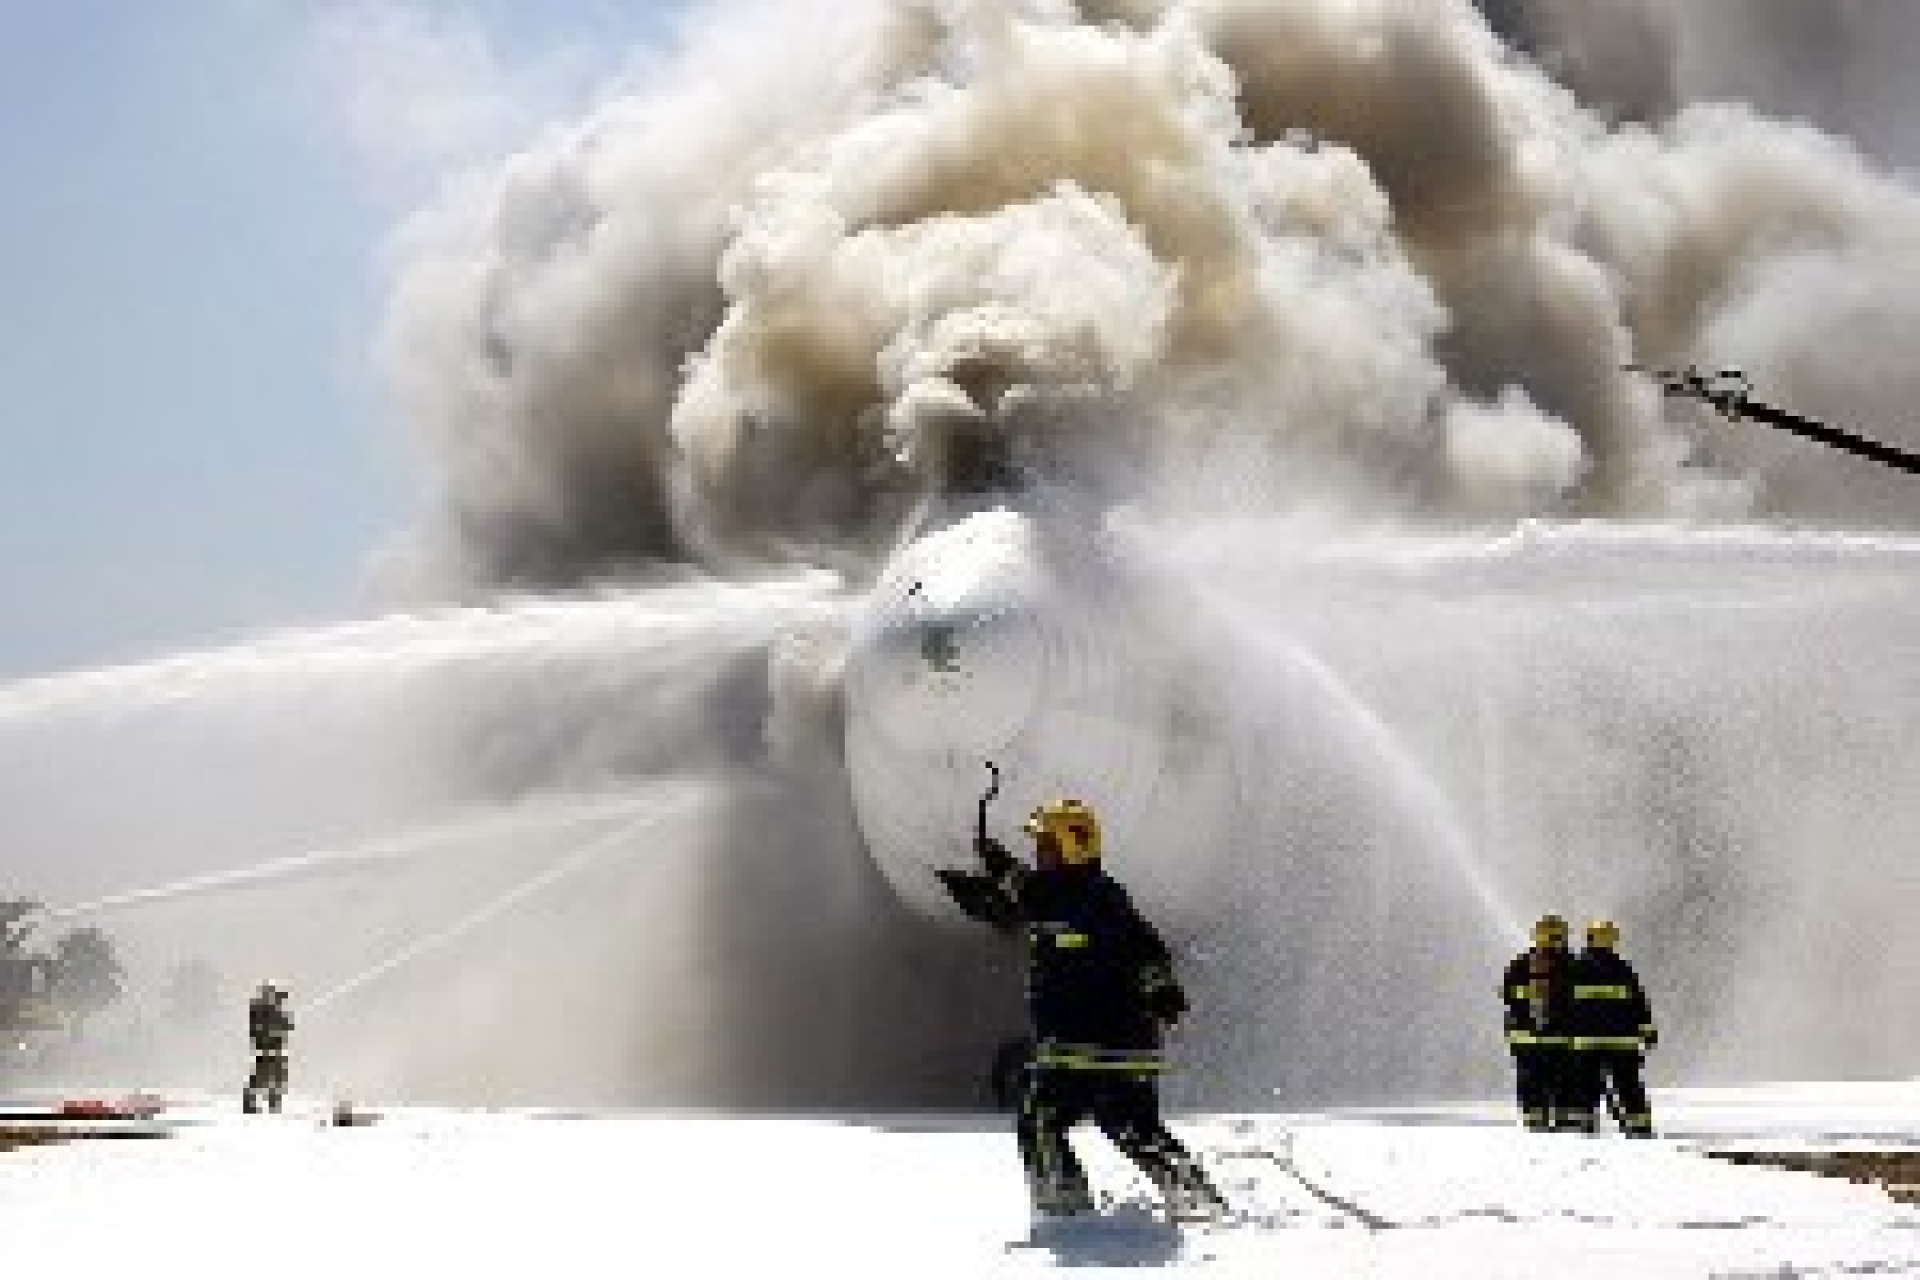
1576 1120
1062 1195
1188 1194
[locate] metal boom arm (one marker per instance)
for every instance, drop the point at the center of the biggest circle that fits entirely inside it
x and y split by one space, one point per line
1730 394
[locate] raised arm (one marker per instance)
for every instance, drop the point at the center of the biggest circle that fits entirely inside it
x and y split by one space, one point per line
994 893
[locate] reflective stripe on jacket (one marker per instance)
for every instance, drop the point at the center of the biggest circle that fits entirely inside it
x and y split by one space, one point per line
1093 1057
1610 1008
1537 990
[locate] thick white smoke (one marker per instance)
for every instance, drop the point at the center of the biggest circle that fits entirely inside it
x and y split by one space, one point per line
1360 257
1245 276
1355 264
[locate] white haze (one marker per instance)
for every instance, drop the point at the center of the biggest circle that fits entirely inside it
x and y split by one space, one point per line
1264 280
1317 246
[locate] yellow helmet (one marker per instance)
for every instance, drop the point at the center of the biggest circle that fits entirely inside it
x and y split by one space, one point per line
1073 827
1550 931
1604 934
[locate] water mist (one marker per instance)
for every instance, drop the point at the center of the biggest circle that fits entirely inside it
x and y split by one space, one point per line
1215 408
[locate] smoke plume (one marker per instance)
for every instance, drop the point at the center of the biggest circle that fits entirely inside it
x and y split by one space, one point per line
1239 280
1381 259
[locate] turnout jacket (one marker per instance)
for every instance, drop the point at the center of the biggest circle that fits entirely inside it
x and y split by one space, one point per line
1538 991
1100 981
1610 1008
268 1025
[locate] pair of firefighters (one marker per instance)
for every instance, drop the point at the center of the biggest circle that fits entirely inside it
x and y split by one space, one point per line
1578 1026
1100 994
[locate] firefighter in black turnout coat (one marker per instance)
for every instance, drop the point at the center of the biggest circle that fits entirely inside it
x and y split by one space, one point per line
1538 992
1100 990
1612 1028
268 1025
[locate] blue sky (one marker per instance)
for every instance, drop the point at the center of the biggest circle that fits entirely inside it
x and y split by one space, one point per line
195 440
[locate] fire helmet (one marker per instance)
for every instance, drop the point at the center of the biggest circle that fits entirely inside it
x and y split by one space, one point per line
1075 831
1550 931
1603 934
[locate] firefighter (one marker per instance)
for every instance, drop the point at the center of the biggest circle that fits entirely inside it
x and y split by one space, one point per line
1100 993
1538 993
268 1025
1612 1031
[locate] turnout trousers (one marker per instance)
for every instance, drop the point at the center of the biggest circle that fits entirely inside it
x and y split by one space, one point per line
1126 1107
1544 1086
1612 1076
268 1083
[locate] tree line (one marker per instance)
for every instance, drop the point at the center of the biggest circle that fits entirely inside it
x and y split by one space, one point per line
56 986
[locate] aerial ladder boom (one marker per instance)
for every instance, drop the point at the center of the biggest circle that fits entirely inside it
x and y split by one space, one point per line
1731 395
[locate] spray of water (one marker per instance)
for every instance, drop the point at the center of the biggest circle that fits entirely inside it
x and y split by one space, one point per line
549 817
549 875
1323 304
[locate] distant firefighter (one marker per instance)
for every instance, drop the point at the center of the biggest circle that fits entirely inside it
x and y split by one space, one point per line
1612 1030
1538 993
268 1026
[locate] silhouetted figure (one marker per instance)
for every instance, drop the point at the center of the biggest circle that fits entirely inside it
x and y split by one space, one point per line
268 1026
1612 1031
1538 993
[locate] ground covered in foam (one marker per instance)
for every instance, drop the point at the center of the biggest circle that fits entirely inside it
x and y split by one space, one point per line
1450 1190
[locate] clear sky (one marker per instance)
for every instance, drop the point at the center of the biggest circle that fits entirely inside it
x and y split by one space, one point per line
194 441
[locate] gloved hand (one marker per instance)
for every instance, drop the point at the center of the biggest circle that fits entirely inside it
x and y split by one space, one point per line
1650 1039
961 886
994 856
975 895
1167 1003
